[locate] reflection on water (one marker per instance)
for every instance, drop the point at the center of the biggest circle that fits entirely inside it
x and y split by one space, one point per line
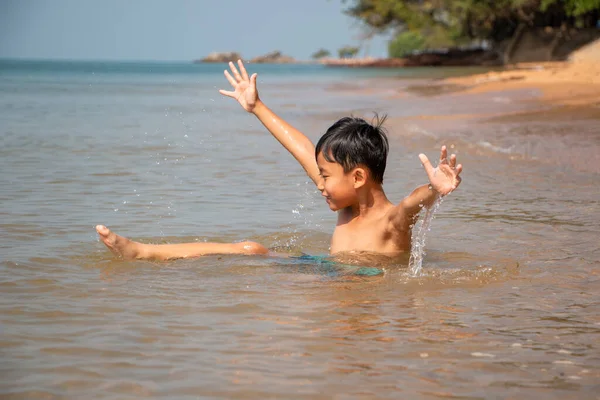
506 304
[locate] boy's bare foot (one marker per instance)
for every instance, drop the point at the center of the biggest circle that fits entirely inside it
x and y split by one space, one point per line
120 246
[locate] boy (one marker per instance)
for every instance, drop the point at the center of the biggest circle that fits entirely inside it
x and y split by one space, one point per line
347 166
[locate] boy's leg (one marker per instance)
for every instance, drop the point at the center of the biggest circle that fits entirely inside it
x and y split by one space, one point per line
129 249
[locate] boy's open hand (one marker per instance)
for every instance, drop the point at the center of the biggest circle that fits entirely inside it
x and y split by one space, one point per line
244 88
445 177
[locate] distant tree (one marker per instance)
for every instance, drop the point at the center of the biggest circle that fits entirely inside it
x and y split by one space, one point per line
447 23
348 52
405 44
320 54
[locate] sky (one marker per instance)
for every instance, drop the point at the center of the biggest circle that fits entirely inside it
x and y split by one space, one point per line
175 30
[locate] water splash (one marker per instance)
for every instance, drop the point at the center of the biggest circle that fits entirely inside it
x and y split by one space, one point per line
417 251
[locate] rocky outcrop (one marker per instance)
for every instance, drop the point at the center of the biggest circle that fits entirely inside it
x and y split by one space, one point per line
453 57
275 57
223 57
364 62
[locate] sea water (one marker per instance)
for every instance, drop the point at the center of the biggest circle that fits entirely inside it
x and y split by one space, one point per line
506 302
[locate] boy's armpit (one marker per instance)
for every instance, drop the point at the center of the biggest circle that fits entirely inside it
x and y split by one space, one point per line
399 220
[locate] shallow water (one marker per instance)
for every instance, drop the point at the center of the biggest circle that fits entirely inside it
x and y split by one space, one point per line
507 305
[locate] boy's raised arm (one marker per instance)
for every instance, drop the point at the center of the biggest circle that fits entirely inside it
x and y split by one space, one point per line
443 179
293 140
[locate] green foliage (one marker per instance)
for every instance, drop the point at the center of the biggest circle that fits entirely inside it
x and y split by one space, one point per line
405 43
444 23
572 7
348 52
321 53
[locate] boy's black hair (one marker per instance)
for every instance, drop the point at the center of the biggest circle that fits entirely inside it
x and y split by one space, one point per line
352 141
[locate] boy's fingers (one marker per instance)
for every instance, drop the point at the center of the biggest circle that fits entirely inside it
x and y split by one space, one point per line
253 79
426 163
443 154
227 93
243 70
458 170
230 78
237 75
453 160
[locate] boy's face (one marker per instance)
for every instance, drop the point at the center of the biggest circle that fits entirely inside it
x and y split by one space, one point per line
337 187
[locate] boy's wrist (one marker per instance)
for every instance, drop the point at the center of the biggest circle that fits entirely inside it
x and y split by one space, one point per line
258 107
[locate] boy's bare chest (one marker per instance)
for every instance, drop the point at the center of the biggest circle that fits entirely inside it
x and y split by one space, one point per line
370 236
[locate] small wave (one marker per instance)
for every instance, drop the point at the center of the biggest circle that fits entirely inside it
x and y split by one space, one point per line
416 129
496 149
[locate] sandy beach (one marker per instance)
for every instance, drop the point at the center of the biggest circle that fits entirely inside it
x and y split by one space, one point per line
572 83
544 112
547 90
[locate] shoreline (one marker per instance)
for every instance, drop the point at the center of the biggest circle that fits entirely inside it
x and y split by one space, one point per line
575 82
565 91
561 83
542 112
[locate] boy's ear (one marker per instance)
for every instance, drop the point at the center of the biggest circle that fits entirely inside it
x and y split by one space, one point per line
360 177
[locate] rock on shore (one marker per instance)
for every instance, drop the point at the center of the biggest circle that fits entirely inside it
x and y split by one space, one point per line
223 57
275 57
446 58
